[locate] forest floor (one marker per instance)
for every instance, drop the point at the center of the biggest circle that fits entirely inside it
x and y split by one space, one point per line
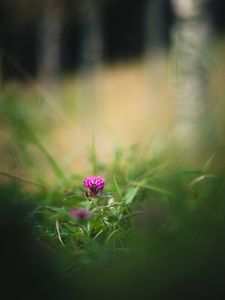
161 219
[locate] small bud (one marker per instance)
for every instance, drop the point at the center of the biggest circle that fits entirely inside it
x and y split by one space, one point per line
79 213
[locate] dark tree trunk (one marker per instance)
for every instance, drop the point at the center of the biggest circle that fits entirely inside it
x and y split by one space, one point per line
91 34
49 39
91 52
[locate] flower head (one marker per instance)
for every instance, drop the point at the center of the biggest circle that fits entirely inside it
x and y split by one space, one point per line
80 213
94 185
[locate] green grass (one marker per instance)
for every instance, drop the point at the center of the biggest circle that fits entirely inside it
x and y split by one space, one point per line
145 198
156 232
155 226
161 198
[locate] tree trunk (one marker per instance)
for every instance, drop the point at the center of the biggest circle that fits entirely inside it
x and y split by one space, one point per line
91 35
91 52
49 38
191 45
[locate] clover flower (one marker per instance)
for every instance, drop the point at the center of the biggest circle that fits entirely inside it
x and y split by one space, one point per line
94 185
79 213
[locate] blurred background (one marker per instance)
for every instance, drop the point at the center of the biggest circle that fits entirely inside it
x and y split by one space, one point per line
80 78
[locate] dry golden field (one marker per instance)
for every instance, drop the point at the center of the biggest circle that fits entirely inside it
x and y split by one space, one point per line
120 105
